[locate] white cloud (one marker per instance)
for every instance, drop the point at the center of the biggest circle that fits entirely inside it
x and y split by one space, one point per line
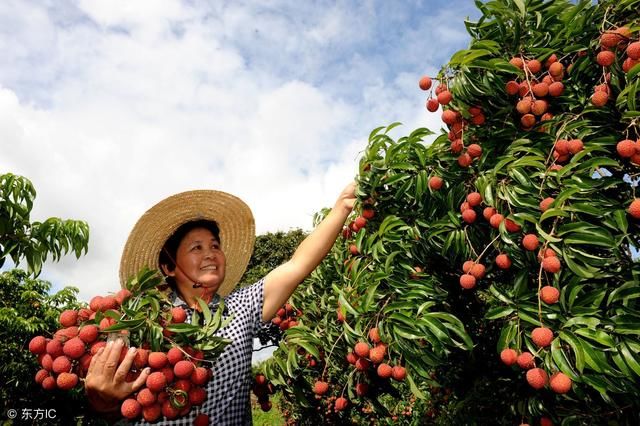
109 106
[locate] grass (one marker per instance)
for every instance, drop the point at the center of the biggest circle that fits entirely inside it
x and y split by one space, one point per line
272 417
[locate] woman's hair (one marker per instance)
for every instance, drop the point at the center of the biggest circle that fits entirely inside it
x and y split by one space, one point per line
170 248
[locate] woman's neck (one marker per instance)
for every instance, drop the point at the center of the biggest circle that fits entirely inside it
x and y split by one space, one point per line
189 295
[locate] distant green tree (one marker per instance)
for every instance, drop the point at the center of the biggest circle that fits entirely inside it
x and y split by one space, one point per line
271 250
26 307
21 239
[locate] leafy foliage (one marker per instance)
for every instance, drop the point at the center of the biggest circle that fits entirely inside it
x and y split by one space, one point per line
401 272
34 241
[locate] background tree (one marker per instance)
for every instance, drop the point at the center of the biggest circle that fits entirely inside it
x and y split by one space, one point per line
27 308
509 235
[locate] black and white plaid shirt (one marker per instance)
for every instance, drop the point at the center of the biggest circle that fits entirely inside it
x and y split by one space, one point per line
228 400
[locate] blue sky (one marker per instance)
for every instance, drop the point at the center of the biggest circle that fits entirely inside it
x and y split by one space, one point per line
109 106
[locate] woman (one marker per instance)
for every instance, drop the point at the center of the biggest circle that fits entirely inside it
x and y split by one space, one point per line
202 241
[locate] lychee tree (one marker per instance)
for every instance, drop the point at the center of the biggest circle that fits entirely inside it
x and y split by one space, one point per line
493 260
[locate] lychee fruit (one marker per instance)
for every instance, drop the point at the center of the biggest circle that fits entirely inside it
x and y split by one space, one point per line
478 270
38 345
626 148
546 203
549 294
130 408
433 105
425 83
560 383
145 397
61 364
467 281
599 99
542 336
197 395
633 50
445 97
512 88
474 199
530 242
384 370
503 261
201 420
174 355
517 62
556 69
41 375
153 412
183 369
178 315
464 160
449 117
374 335
488 212
341 404
508 356
634 211
49 383
435 183
606 58
320 387
362 389
74 348
67 381
469 216
398 373
551 264
88 333
68 318
525 361
575 146
474 150
156 381
157 360
556 88
376 355
496 220
362 364
361 349
537 378
360 222
511 226
534 66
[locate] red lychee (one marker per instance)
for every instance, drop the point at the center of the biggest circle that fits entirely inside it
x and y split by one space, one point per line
341 404
157 360
200 376
469 216
508 356
361 349
511 226
130 408
478 270
633 50
542 336
599 99
197 395
38 345
67 381
88 333
49 383
517 62
534 66
74 348
444 97
606 58
474 150
626 148
174 355
360 222
435 183
503 261
525 361
575 146
549 294
320 387
433 105
467 281
556 69
488 212
512 88
362 364
449 117
156 381
95 303
61 364
384 370
496 220
145 397
464 160
634 211
425 83
376 355
544 204
537 378
201 420
556 89
68 318
530 242
153 412
398 373
183 369
122 295
41 375
560 383
178 315
551 264
374 335
474 199
362 389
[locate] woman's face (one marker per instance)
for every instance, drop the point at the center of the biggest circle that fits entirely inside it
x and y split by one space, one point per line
200 259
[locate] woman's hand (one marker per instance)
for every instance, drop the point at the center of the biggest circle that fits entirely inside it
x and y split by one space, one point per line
347 198
106 383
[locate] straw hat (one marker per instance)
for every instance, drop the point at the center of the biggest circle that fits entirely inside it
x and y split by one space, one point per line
234 219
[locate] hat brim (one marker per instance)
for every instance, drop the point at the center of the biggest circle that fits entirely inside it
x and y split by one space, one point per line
234 219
